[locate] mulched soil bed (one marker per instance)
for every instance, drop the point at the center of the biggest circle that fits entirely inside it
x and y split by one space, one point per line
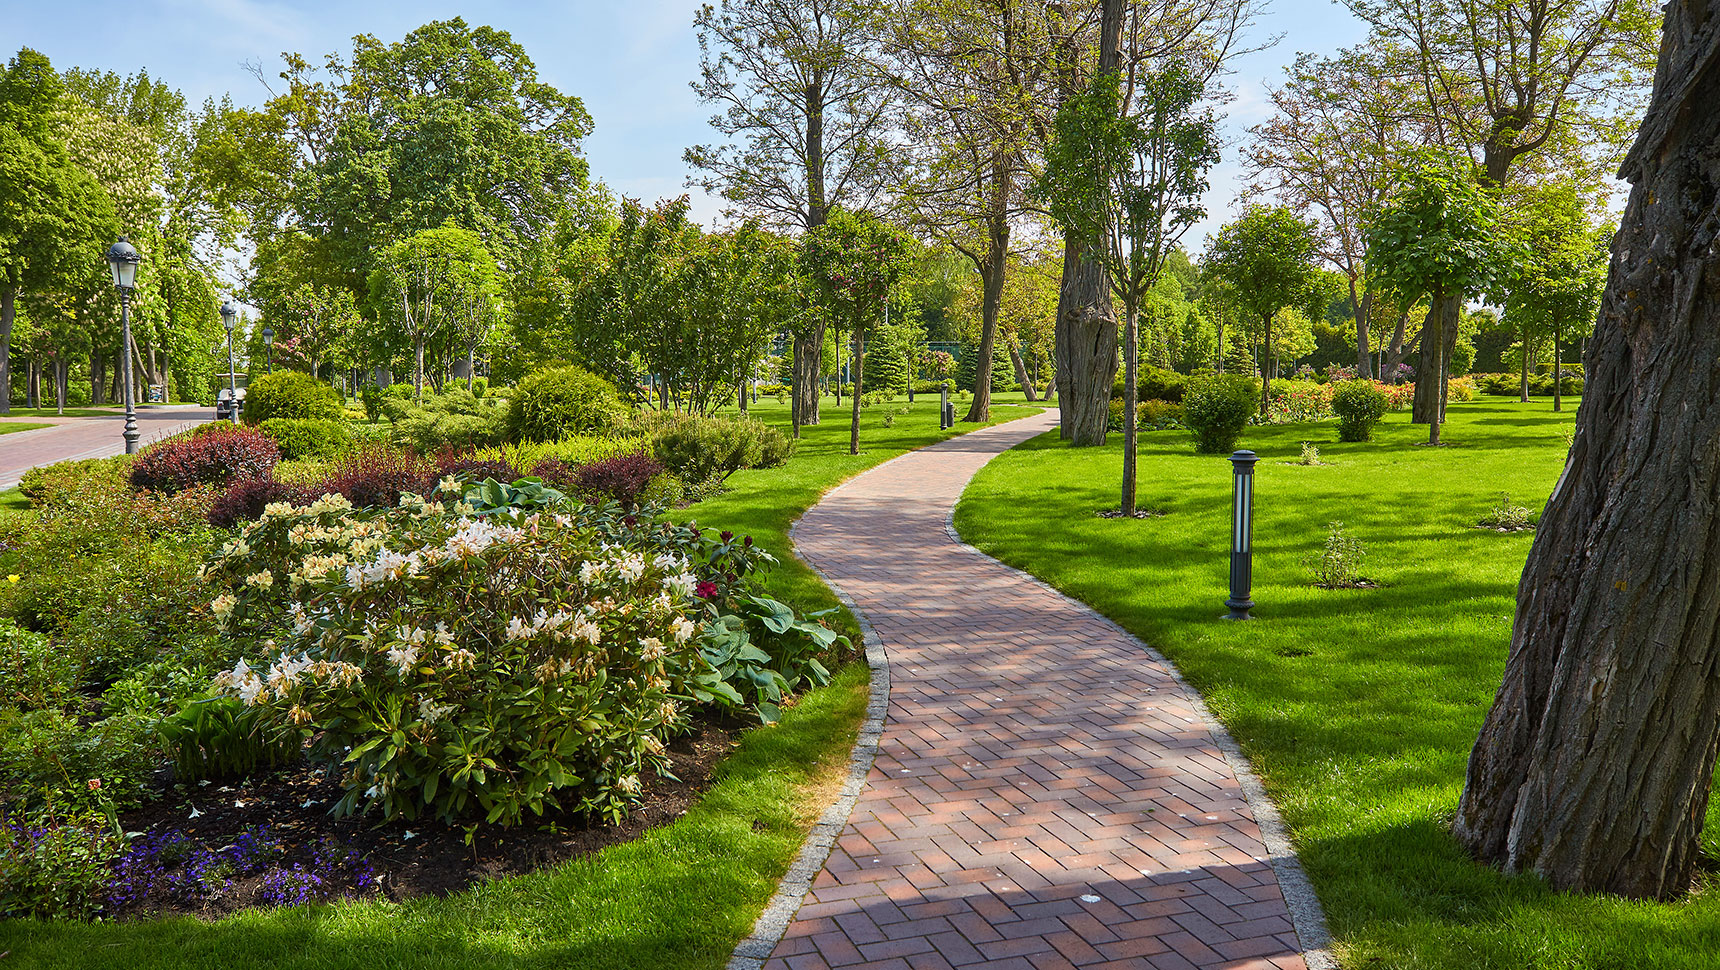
408 859
1138 514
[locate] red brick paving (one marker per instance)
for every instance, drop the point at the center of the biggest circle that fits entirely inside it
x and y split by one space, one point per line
88 437
1045 795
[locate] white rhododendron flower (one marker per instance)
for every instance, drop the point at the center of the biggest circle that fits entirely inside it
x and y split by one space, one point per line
403 657
683 629
631 567
682 584
591 571
261 580
650 649
222 606
518 629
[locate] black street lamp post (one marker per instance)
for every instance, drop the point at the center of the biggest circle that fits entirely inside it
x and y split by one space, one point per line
228 313
123 259
269 348
1241 535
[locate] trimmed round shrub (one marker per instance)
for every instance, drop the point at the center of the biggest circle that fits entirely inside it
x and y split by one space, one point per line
549 405
709 449
219 453
1359 406
309 437
290 394
1216 409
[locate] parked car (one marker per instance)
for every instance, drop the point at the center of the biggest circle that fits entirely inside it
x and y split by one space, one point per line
225 407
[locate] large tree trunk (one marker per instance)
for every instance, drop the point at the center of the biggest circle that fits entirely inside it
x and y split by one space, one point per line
33 384
1594 764
1266 366
1131 378
8 307
1425 408
993 271
1558 359
808 362
1021 376
1363 306
98 378
1086 348
858 367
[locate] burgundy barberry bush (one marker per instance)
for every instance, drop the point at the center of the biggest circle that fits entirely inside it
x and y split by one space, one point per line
209 458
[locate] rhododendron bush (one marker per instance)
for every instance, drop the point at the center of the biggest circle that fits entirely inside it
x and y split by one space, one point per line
456 663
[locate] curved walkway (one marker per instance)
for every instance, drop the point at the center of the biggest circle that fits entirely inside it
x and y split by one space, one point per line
1047 793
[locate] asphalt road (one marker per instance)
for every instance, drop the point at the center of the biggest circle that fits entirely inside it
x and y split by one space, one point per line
96 437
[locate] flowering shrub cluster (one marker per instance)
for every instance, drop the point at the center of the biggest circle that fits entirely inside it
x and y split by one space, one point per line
450 662
1300 400
54 865
172 869
215 457
1399 397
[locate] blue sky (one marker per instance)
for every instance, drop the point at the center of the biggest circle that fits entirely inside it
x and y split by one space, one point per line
630 61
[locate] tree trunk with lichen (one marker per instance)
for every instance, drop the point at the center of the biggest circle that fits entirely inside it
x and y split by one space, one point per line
1594 764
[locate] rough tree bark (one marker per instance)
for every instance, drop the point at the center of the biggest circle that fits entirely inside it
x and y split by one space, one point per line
859 366
1594 764
1363 305
1086 348
1437 333
993 268
8 307
1021 377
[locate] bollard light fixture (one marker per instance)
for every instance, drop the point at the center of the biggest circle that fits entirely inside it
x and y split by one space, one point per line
1241 535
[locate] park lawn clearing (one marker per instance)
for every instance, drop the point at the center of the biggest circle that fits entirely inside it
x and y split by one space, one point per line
1358 706
678 898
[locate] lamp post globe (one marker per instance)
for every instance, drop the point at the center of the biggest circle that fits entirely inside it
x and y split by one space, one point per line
122 259
269 347
228 314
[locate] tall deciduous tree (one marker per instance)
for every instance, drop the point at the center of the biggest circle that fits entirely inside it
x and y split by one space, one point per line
421 282
1327 149
808 116
855 258
1594 766
1438 234
1505 79
1267 258
1128 173
1556 287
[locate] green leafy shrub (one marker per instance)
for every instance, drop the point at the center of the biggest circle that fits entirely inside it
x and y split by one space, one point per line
301 438
56 866
47 758
700 448
61 481
456 419
371 397
549 405
220 737
555 688
34 674
1154 383
290 394
1359 405
1216 408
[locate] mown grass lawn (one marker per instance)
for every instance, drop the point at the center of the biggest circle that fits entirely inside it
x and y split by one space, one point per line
678 898
13 427
1358 706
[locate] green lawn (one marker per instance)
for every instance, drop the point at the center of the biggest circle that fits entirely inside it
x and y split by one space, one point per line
12 427
678 898
1359 707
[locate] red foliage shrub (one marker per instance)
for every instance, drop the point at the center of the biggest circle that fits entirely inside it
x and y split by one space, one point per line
213 457
561 474
375 477
245 499
622 479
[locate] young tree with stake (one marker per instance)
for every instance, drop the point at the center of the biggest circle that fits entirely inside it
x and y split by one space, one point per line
1126 172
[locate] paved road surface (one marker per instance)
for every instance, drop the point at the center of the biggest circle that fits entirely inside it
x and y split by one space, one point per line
1047 794
87 438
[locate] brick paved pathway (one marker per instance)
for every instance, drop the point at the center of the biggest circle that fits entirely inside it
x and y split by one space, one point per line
1045 795
88 437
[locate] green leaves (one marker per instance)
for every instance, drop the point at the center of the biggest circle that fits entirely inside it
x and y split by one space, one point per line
1439 233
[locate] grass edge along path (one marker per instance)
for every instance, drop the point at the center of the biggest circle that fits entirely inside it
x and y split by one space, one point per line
680 896
1357 707
13 427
